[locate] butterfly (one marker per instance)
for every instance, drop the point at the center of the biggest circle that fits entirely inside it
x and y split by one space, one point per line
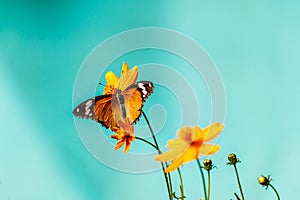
122 99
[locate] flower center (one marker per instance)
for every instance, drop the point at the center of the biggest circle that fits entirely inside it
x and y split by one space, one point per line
197 144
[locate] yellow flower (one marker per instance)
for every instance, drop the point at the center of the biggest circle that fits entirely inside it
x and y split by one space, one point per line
124 134
190 144
127 78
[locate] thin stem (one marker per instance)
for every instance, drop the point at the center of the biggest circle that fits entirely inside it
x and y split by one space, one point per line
181 185
146 141
237 196
170 181
208 184
151 130
162 165
238 179
167 176
275 191
203 179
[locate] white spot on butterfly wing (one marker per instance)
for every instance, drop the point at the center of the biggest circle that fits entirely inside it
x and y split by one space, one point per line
77 110
88 104
144 91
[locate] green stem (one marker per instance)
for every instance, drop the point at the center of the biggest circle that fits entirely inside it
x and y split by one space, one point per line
275 191
162 165
170 181
237 196
238 179
167 176
152 133
181 185
146 141
208 184
203 179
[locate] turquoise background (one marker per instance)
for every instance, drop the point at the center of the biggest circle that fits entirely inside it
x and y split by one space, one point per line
255 45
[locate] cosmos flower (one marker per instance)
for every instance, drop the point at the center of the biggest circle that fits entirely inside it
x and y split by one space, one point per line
127 78
124 134
189 145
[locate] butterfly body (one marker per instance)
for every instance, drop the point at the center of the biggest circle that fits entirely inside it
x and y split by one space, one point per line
121 101
109 109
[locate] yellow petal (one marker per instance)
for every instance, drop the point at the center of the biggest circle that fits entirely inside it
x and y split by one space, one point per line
167 156
174 165
209 149
177 148
209 132
190 154
125 68
111 78
128 79
177 144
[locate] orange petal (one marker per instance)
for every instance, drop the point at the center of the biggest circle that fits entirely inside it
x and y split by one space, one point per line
108 89
209 149
115 136
125 68
119 144
128 79
127 146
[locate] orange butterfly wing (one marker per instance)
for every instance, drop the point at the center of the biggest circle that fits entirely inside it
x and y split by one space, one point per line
135 96
107 111
103 109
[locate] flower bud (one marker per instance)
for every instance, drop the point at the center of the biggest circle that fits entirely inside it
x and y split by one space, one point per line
264 181
207 164
232 159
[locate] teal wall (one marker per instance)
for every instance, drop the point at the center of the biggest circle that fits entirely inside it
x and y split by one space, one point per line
255 45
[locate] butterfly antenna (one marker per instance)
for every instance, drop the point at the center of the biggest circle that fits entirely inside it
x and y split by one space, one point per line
101 84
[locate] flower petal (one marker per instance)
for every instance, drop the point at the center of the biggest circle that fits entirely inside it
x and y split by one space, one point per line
125 68
177 143
128 79
111 78
185 134
190 154
127 146
167 156
209 132
209 149
119 144
174 165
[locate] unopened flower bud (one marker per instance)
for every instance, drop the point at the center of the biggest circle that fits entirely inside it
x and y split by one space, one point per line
264 181
232 159
207 164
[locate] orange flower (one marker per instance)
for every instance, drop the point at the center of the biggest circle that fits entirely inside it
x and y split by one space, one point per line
190 144
124 134
127 78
